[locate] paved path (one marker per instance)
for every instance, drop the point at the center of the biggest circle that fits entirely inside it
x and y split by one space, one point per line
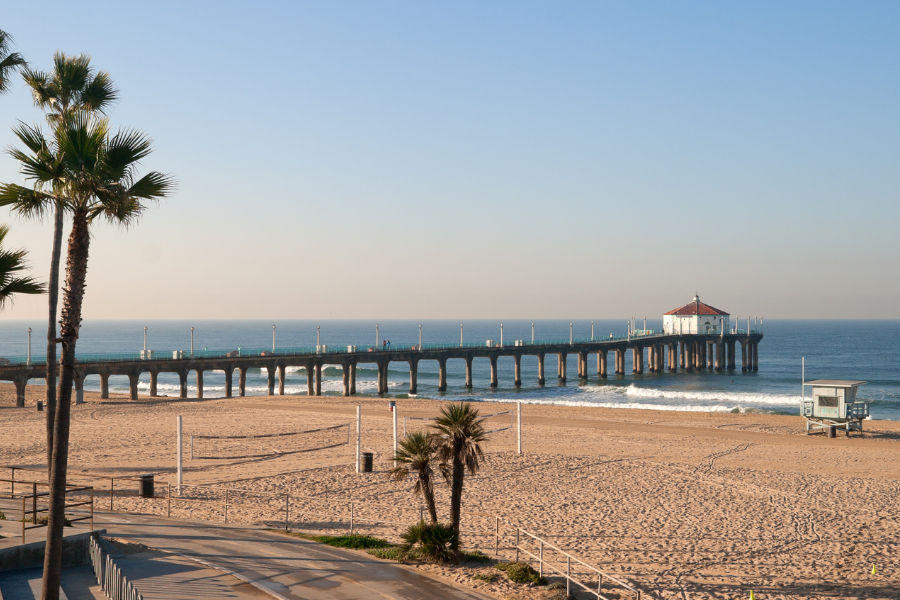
286 567
76 583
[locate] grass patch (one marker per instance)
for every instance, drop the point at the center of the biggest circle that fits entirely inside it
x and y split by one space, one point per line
389 553
474 556
519 572
2 516
357 542
488 577
43 521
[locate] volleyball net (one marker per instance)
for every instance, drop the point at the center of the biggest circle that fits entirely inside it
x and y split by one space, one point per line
266 445
492 422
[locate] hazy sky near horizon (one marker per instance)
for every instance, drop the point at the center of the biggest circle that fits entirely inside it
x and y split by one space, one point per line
489 159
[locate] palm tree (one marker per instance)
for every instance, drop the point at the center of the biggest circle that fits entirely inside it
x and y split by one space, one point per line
12 262
417 453
461 431
102 182
8 60
71 87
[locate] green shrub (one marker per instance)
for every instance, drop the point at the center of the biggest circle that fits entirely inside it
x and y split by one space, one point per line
429 542
2 516
488 577
520 572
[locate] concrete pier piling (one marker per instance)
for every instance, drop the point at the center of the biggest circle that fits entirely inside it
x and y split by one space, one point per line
561 359
541 379
104 387
310 380
353 378
413 376
517 371
281 375
242 381
78 382
270 380
229 375
199 383
442 375
345 379
182 384
319 379
468 371
493 359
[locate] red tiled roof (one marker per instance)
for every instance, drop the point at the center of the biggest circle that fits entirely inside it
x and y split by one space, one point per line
697 308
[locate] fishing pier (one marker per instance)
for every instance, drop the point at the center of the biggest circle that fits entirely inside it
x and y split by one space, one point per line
642 350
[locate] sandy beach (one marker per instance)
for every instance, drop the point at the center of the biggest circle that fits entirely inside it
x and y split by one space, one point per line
684 505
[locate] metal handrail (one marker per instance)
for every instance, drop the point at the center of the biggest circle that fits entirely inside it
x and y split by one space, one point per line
569 558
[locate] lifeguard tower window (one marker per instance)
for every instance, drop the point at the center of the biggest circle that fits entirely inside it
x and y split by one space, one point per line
828 401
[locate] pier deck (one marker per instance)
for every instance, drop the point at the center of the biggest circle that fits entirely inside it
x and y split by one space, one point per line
694 352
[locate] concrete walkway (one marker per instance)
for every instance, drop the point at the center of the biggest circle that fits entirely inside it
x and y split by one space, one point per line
285 567
76 583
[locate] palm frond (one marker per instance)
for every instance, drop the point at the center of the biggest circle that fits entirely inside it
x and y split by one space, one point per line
27 202
12 262
98 93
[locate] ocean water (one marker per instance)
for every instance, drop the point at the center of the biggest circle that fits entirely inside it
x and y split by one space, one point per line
833 349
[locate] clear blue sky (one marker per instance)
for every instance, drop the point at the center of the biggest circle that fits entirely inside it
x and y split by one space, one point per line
491 159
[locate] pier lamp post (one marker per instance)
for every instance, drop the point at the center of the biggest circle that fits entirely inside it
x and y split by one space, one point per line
571 333
501 335
377 336
28 360
460 334
192 341
628 329
317 338
532 332
420 336
145 339
273 337
592 330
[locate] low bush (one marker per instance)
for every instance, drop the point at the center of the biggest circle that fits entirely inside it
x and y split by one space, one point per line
2 516
488 577
520 572
429 542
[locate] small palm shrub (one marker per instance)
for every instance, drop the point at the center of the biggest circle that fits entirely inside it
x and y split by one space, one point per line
429 541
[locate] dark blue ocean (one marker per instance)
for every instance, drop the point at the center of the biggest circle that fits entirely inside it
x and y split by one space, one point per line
833 349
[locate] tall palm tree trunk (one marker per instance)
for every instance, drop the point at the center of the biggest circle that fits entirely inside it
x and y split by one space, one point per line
456 488
73 294
53 299
428 492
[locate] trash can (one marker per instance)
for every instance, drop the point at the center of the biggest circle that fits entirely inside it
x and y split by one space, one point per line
368 459
40 405
146 486
832 431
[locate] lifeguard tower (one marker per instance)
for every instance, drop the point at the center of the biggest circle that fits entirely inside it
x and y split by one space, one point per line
834 405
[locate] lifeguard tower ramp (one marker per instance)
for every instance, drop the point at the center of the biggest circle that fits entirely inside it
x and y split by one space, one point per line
834 405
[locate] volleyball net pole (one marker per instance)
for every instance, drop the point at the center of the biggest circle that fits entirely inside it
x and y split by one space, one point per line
180 458
358 429
519 426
